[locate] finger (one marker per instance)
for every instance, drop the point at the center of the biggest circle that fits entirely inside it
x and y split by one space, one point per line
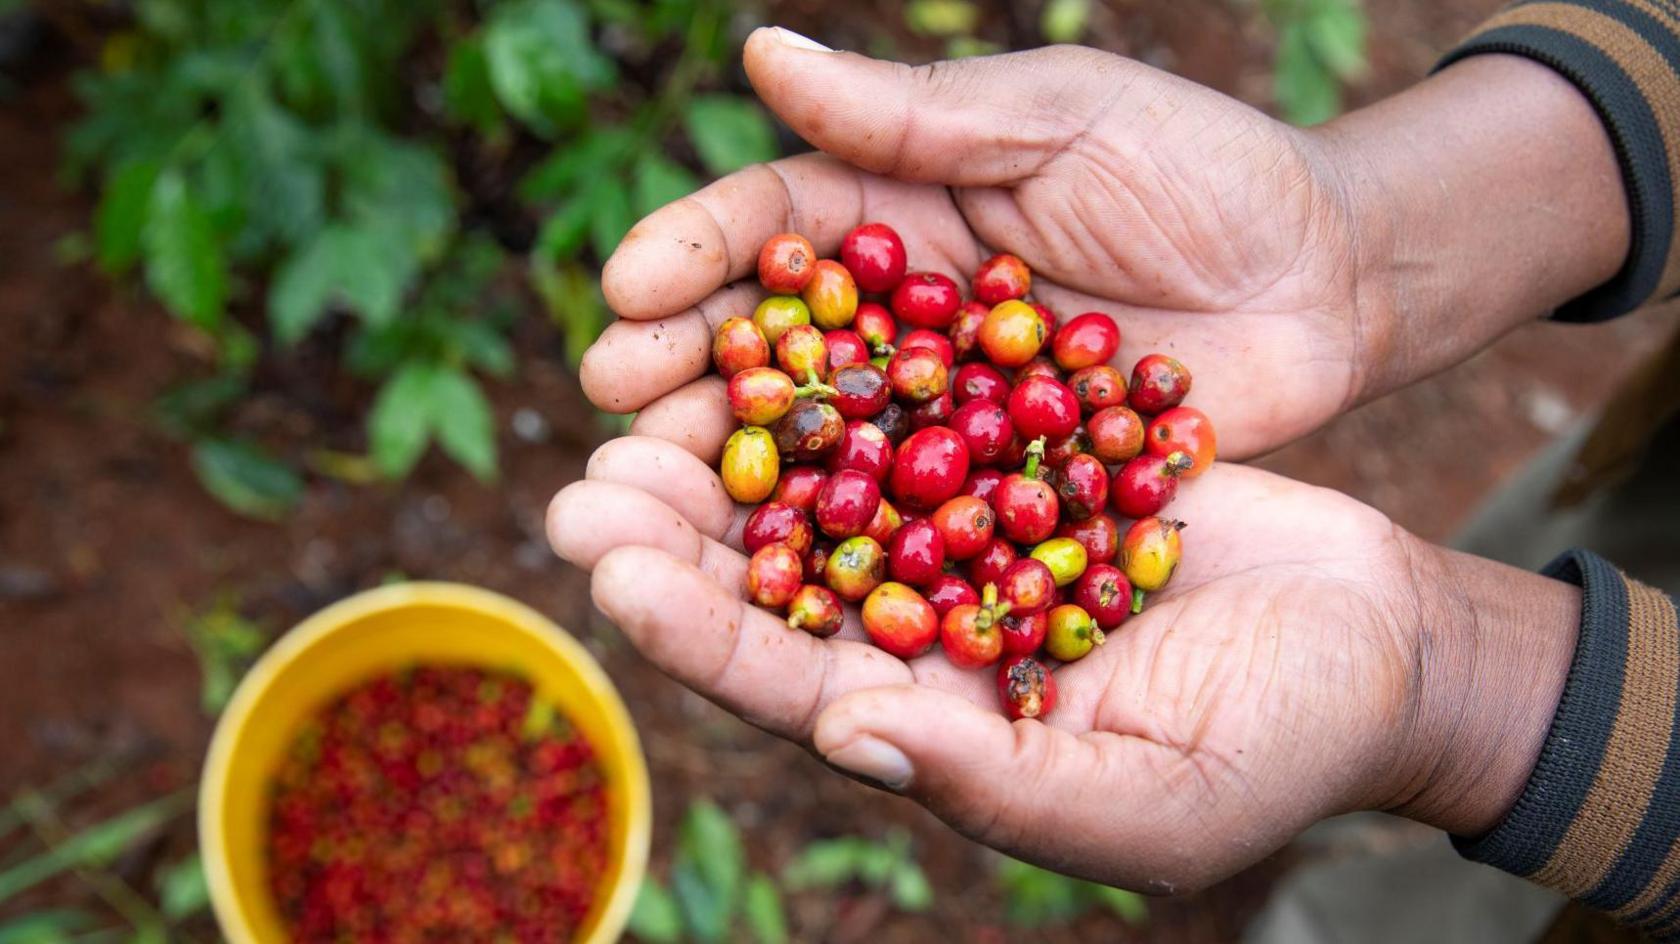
985 121
635 362
1096 803
695 416
674 476
588 520
742 657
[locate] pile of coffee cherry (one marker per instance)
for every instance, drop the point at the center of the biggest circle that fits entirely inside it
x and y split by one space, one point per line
949 464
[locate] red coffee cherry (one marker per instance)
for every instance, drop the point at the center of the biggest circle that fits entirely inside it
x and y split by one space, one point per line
926 300
1001 278
874 254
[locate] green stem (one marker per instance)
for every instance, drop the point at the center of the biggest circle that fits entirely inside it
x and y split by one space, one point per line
1035 455
1137 599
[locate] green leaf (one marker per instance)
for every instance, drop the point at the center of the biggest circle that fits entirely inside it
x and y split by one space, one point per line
762 908
482 346
400 422
93 847
708 838
365 267
609 219
284 187
182 890
462 421
910 888
541 61
400 190
121 217
184 262
468 96
246 479
45 927
729 132
1064 21
660 181
706 913
577 164
563 233
192 408
941 17
656 917
825 863
572 296
1129 907
1306 89
1336 32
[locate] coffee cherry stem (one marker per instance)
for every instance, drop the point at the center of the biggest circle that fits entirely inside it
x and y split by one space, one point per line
990 609
1035 455
815 388
1137 600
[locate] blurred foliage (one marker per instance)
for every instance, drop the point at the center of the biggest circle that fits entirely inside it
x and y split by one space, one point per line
885 865
1035 897
281 172
710 891
225 642
1320 45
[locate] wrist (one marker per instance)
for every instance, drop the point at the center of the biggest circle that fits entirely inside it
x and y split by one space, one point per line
1482 198
1494 647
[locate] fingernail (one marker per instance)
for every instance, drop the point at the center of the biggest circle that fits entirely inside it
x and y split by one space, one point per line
788 37
875 759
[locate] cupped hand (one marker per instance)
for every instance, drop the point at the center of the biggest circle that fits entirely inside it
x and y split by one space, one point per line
1277 679
1208 230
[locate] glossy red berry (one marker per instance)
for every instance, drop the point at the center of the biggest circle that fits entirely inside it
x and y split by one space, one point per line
1098 534
1146 484
759 396
933 341
935 412
980 381
1025 688
1183 429
965 329
917 375
1040 406
1159 383
785 263
1001 278
847 503
864 448
816 610
1012 334
808 432
982 483
876 327
777 522
948 591
799 486
985 428
802 353
926 300
816 560
1027 507
900 620
1086 341
1104 592
1082 485
1116 434
1023 633
1046 315
965 523
1039 366
845 347
855 567
1028 586
1096 388
1057 452
860 391
971 634
831 295
885 524
993 561
773 575
929 467
738 345
874 254
917 553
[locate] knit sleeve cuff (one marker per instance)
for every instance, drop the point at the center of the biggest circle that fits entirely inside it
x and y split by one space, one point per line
1599 818
1624 56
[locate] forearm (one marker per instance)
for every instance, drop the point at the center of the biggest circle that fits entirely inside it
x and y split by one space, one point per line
1484 197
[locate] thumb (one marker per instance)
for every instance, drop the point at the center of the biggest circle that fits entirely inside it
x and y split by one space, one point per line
986 121
1094 805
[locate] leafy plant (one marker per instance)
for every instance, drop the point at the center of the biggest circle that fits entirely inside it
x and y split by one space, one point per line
288 159
884 865
1320 46
1034 897
225 643
710 889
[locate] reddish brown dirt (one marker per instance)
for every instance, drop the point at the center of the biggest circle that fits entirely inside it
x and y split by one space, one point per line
106 540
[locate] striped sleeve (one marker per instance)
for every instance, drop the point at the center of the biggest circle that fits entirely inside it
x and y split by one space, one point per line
1599 818
1624 55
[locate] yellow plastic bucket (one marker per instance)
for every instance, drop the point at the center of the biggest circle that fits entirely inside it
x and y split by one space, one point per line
379 631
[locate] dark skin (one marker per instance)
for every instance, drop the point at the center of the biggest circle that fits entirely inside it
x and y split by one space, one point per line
1310 657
